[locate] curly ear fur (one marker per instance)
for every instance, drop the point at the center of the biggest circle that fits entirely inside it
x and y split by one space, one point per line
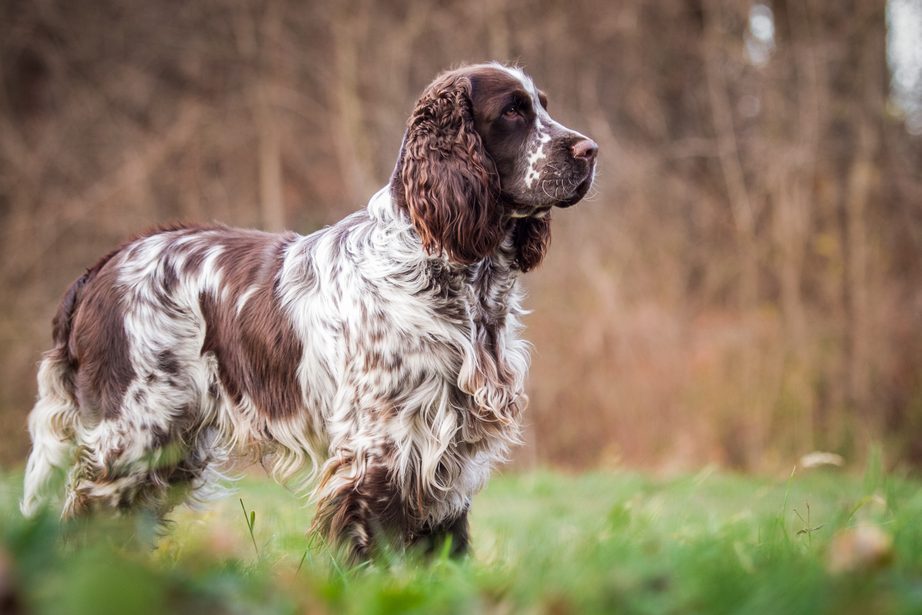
449 184
530 239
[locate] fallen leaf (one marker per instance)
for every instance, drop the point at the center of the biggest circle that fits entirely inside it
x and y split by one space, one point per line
864 547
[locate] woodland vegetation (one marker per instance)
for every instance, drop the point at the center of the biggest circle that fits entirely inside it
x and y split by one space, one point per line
744 285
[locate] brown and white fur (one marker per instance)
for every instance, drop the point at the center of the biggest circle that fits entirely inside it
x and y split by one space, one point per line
382 354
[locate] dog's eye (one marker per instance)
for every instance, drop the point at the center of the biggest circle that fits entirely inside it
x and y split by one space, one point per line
512 111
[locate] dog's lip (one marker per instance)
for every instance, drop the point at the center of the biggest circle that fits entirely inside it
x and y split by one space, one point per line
522 210
579 192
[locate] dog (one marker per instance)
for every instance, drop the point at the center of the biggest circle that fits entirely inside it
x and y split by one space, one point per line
381 354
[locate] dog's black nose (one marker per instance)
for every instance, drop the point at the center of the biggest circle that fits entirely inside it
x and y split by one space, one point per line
586 149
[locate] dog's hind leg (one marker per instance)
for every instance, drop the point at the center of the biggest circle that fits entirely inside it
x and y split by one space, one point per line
124 468
114 470
132 463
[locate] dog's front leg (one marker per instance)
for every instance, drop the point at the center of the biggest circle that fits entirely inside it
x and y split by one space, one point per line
456 530
358 507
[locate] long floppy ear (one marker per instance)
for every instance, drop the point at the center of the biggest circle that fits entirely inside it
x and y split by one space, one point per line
530 239
445 177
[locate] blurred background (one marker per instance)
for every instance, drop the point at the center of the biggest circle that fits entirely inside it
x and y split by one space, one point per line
744 286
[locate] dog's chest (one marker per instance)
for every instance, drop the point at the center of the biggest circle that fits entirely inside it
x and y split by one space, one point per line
456 331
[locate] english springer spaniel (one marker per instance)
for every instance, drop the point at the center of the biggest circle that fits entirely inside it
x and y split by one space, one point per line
382 353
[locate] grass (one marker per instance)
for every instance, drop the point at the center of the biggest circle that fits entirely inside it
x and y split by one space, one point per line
543 542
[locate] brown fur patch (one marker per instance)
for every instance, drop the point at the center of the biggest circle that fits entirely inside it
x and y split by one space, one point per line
258 351
98 343
531 238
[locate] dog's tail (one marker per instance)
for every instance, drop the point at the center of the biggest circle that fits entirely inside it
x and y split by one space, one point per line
51 425
53 420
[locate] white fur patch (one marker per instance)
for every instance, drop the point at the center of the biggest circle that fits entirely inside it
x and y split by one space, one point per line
536 154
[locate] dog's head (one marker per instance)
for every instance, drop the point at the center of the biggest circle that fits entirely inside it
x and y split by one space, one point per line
481 154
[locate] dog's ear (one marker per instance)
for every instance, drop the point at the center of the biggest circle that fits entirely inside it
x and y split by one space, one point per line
446 179
531 239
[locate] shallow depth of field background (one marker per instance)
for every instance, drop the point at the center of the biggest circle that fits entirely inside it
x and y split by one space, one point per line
743 286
